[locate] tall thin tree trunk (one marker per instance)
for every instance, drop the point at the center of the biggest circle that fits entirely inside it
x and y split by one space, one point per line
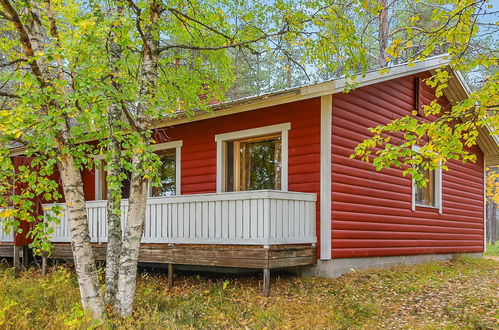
81 245
138 186
383 33
114 235
31 35
114 241
131 241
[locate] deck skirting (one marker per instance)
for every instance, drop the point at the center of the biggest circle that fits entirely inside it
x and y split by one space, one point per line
211 255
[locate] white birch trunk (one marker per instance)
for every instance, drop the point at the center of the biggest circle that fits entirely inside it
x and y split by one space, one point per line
131 242
31 34
114 241
138 187
86 270
114 234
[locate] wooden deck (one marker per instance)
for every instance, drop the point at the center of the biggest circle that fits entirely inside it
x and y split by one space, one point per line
6 250
236 256
256 257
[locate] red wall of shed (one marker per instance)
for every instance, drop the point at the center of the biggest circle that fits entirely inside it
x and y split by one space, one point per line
371 211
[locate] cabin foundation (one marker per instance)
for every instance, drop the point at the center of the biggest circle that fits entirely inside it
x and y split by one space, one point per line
336 267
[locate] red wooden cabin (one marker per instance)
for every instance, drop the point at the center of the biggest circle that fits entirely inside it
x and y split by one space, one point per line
274 172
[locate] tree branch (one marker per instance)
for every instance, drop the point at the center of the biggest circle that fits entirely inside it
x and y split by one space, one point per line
9 95
24 38
19 60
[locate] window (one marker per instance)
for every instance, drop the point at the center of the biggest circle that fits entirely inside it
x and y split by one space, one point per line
425 196
169 173
253 159
102 188
254 163
431 194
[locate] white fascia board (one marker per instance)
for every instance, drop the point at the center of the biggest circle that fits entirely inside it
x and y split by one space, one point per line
374 77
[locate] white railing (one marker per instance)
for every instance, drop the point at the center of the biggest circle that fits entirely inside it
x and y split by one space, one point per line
262 217
3 236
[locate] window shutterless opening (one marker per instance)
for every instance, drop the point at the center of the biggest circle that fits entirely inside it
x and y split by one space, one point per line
125 183
426 195
253 159
167 174
429 195
254 163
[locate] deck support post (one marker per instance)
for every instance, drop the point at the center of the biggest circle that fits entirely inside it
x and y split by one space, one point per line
170 275
25 257
266 282
17 262
44 263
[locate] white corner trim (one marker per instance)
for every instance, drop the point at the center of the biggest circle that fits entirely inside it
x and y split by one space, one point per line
438 177
325 189
438 188
279 128
484 206
97 180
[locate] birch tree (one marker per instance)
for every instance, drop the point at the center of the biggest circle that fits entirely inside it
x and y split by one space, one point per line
106 71
41 93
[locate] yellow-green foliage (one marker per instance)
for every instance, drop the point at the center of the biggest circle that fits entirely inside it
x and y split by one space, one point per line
455 294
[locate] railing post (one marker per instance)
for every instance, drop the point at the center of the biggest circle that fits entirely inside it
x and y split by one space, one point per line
266 221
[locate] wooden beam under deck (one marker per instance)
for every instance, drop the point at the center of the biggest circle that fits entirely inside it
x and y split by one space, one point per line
211 255
6 250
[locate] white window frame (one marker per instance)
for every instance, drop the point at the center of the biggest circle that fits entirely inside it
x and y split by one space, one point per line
177 145
248 133
438 188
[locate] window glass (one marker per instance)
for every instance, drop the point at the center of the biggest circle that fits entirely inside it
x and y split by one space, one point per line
125 184
254 164
167 174
426 195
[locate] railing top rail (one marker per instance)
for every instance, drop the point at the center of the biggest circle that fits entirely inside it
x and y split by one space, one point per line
237 195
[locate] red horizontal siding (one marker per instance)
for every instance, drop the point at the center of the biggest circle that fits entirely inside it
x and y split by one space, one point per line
371 211
199 147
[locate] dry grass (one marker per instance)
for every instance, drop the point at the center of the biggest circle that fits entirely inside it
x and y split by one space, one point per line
457 294
492 249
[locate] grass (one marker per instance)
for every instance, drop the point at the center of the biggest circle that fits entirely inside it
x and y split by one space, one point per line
456 294
492 249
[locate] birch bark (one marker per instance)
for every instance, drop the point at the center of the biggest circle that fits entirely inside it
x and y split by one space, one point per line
115 234
31 35
138 188
86 270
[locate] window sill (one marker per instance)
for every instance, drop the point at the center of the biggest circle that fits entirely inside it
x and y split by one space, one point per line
428 206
